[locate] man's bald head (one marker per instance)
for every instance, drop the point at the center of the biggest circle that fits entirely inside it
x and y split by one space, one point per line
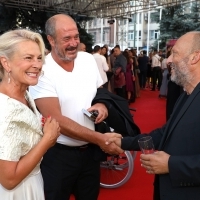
56 22
190 41
81 47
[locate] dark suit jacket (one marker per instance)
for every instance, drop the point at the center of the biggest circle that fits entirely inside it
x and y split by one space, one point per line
180 138
143 63
119 116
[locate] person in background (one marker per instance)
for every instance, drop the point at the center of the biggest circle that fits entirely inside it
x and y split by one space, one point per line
119 70
81 47
104 52
23 141
70 82
163 88
133 54
110 76
149 71
46 51
176 163
143 67
156 70
102 65
129 76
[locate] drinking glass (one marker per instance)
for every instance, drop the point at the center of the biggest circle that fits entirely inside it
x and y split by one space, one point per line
146 145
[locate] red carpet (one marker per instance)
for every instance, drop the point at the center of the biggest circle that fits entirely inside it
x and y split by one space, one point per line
150 114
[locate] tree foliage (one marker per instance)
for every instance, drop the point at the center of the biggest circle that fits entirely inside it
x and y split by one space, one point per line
178 20
12 18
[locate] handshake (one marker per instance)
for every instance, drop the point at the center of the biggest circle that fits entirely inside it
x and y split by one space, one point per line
109 142
112 143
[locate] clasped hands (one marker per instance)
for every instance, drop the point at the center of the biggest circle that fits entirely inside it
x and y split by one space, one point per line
110 148
156 163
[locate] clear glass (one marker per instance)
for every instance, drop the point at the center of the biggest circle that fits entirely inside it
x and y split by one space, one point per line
146 145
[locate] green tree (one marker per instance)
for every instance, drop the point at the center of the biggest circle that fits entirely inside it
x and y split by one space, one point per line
176 21
12 18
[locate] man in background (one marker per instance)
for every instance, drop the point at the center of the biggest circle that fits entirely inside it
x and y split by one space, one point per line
143 61
81 47
119 70
102 65
156 73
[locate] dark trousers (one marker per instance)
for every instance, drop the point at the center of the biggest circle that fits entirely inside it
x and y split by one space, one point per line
67 172
142 78
121 91
156 75
156 193
105 85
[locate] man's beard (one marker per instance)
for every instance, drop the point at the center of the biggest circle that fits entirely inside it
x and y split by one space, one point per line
181 74
62 55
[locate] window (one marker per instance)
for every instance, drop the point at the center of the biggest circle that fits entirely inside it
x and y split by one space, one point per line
94 36
140 18
133 17
130 36
154 34
154 17
140 35
95 22
104 33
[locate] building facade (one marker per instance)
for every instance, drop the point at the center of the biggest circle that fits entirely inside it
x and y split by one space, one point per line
137 31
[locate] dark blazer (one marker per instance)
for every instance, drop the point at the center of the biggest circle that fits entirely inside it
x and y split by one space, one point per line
180 138
119 116
143 62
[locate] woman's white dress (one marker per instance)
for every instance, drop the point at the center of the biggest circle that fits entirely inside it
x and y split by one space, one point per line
20 131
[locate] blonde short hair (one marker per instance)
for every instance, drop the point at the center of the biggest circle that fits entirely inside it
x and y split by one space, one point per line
10 40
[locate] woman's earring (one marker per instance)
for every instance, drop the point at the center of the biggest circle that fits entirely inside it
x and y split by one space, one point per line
8 77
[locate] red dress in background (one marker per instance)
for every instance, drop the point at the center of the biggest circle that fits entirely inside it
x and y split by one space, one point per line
129 78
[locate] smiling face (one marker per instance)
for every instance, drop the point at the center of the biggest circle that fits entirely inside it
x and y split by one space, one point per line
26 64
65 42
179 61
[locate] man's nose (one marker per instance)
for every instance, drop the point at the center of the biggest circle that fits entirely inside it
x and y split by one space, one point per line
169 60
74 42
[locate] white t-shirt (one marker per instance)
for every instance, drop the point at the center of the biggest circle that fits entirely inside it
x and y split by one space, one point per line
164 64
156 61
75 90
102 65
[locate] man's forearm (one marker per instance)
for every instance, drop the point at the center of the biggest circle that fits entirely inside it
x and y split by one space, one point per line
74 130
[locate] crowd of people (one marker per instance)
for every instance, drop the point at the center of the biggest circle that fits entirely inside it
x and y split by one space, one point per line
44 135
128 72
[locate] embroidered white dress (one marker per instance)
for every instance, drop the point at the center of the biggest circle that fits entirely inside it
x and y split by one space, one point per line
20 131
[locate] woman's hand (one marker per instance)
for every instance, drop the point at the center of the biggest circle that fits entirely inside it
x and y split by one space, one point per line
51 131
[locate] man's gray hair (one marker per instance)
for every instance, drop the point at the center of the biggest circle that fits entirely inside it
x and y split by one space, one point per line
50 27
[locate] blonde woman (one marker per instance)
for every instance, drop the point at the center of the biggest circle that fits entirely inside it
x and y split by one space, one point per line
22 141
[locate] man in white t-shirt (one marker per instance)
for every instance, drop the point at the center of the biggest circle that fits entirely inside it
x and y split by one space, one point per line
102 64
69 84
81 47
156 73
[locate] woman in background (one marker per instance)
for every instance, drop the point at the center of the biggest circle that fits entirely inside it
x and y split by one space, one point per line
129 76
